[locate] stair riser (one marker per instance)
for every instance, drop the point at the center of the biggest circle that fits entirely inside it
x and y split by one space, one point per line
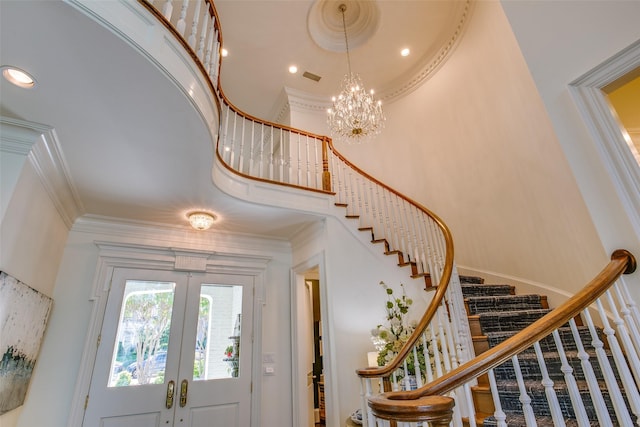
509 321
477 305
486 290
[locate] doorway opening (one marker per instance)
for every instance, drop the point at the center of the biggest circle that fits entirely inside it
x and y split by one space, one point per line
309 349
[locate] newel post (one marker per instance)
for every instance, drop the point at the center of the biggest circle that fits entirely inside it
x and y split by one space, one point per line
326 175
437 411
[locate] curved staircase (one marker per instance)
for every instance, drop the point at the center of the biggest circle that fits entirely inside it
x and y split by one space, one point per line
495 313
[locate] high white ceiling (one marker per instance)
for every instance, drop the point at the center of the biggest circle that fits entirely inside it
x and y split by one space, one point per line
133 146
265 37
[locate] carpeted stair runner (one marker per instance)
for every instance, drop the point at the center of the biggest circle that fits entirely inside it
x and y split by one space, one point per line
497 313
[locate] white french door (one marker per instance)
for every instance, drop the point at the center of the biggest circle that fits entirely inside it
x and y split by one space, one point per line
175 350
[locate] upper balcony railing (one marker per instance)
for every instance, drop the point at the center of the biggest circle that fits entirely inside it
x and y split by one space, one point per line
260 150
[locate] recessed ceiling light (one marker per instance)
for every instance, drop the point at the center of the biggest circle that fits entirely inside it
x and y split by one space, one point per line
18 77
405 51
293 69
225 52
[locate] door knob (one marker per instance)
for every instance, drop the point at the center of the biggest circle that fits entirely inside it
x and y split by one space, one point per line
170 392
183 393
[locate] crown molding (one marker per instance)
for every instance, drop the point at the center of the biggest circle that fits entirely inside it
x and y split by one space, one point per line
183 237
403 87
40 144
17 136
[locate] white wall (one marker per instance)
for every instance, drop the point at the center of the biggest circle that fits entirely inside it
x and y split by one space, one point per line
561 41
52 390
475 145
32 236
352 304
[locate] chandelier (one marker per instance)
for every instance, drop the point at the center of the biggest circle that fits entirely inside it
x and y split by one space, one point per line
355 116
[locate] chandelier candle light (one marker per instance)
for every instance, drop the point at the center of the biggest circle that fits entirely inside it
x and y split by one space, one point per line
355 115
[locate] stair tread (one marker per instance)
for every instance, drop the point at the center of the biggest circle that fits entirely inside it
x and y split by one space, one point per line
470 279
497 317
517 420
484 304
469 290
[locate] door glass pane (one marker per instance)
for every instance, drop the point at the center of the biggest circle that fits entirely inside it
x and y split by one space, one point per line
142 339
217 352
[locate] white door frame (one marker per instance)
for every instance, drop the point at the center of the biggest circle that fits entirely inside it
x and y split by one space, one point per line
298 375
606 129
122 255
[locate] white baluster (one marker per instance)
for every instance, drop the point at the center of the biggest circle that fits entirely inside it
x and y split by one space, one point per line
203 35
182 23
525 399
299 160
446 357
623 370
631 303
261 162
317 154
427 357
418 366
498 414
212 68
206 60
630 354
241 153
572 385
281 162
226 135
594 387
627 312
437 360
384 217
194 25
271 154
252 147
365 392
469 409
167 10
233 142
395 386
307 154
609 376
406 380
547 382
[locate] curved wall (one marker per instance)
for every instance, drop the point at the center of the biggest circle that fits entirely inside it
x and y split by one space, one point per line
475 144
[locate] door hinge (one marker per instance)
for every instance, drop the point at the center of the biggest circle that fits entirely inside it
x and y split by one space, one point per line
86 402
99 340
250 388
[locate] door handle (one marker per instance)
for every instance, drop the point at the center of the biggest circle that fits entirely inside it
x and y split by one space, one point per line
170 392
183 393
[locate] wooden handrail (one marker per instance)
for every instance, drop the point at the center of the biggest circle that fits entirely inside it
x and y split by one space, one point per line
622 262
327 144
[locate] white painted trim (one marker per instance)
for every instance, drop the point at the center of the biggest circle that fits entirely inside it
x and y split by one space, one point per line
164 235
607 132
311 233
122 255
40 144
18 136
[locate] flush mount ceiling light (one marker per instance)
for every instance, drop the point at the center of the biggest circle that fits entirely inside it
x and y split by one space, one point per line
18 77
200 220
355 116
